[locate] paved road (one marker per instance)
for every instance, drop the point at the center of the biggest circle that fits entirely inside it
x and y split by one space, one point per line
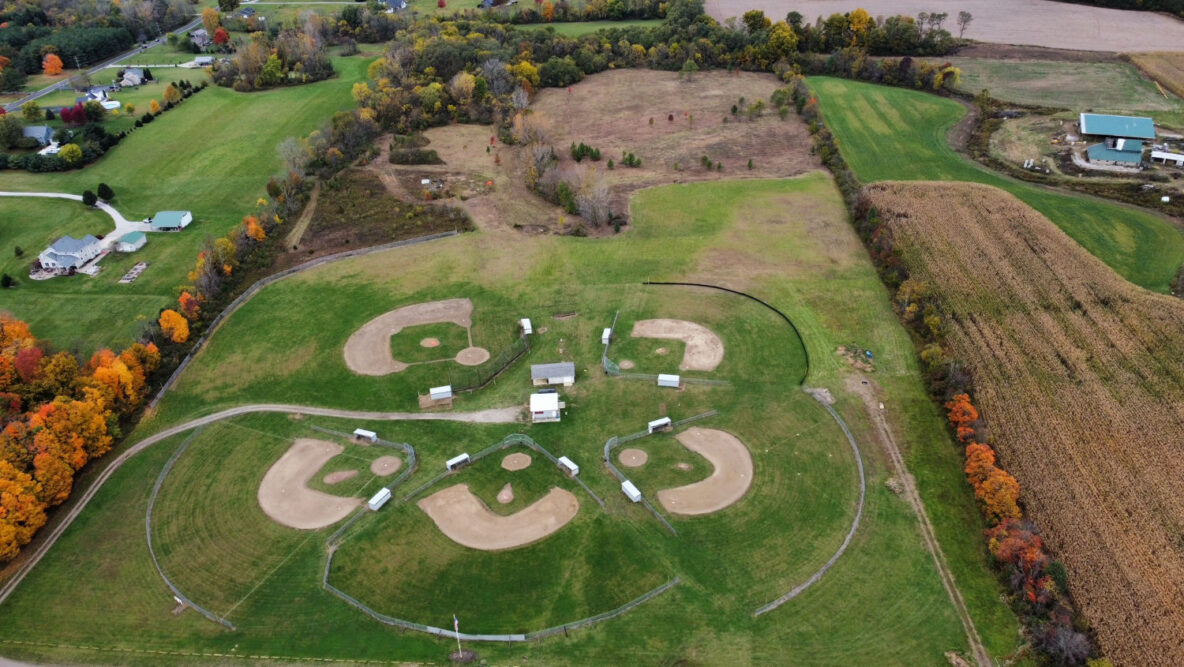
122 225
114 62
492 416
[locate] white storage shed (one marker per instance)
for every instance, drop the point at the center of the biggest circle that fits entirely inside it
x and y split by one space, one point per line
563 373
658 424
668 380
379 499
606 336
526 327
440 393
363 434
631 492
457 461
569 466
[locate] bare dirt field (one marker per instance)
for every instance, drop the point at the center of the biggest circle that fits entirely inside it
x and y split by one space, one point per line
611 111
1080 378
284 494
1031 22
728 483
516 461
506 495
704 350
386 465
472 356
467 521
633 458
368 350
339 476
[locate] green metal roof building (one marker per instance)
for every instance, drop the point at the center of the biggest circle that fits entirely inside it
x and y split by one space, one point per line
1127 127
1124 151
170 220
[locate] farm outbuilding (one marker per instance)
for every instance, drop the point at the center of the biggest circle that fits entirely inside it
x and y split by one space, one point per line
131 242
379 499
1124 127
1168 158
563 373
545 408
171 221
1119 152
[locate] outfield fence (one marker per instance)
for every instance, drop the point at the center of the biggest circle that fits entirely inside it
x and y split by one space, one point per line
472 379
148 531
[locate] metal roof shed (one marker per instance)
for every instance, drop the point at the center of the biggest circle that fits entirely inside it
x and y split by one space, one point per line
1131 127
563 373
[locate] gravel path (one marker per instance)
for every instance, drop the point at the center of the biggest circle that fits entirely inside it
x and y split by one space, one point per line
122 224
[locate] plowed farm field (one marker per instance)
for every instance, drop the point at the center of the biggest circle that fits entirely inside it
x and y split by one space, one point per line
1080 378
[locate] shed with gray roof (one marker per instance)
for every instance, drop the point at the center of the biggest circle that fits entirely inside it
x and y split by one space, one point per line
563 373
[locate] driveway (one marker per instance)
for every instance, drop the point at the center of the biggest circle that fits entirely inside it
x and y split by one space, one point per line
122 225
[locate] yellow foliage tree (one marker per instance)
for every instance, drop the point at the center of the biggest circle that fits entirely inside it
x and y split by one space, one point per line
171 94
154 107
174 325
21 510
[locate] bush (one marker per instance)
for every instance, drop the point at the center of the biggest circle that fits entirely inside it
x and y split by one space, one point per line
107 194
89 198
6 281
415 156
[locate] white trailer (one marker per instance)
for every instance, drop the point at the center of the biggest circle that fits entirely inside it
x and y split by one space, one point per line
379 499
668 380
526 328
658 425
631 492
569 466
363 434
457 461
440 393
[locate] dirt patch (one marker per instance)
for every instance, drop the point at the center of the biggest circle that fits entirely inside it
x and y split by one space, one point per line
339 476
506 495
516 461
430 342
728 483
284 494
683 466
368 350
633 458
626 364
472 356
661 351
856 357
386 465
704 349
467 521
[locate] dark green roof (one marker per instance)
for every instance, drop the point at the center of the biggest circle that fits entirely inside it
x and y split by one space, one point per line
1100 152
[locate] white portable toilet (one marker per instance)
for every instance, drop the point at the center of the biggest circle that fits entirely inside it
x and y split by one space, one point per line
526 328
379 499
631 492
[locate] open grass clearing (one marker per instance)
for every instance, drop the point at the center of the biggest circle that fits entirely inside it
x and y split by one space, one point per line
217 170
578 28
897 134
1035 316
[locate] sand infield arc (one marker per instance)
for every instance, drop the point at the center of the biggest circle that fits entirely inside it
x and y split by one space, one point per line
469 522
704 349
728 482
368 350
284 494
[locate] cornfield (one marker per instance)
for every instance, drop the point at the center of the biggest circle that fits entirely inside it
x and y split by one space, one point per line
1165 67
1080 378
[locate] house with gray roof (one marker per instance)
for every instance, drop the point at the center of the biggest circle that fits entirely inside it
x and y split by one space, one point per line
132 76
42 133
563 373
69 253
201 38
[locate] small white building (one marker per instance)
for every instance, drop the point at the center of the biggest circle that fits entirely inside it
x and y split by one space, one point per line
204 61
171 221
70 253
568 466
440 393
131 242
668 380
379 499
457 461
563 373
606 336
527 329
631 492
1168 158
545 408
658 425
363 434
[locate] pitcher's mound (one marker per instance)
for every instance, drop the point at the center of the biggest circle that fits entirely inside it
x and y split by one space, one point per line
386 465
516 461
633 458
625 364
472 356
469 522
430 342
506 495
339 476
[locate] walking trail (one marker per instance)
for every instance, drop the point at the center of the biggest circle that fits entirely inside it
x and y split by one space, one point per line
122 224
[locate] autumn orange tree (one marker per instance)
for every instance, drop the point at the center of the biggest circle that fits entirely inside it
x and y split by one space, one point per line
154 107
52 65
190 306
174 325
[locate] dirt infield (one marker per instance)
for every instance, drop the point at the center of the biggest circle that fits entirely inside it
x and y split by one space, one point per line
339 476
704 349
472 356
467 521
728 482
506 495
516 461
284 494
368 350
633 458
430 342
386 465
1032 22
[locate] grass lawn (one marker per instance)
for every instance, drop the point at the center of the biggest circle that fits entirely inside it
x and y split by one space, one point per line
212 155
408 345
161 54
577 28
896 134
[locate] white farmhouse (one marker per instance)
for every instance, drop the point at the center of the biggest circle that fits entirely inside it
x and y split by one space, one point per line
70 253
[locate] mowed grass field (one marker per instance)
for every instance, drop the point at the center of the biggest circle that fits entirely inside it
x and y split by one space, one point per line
784 240
212 155
893 134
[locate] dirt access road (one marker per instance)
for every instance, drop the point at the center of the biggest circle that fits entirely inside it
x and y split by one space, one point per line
1030 22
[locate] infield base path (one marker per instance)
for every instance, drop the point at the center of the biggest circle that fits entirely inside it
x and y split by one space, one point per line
728 482
704 349
368 350
284 494
469 522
